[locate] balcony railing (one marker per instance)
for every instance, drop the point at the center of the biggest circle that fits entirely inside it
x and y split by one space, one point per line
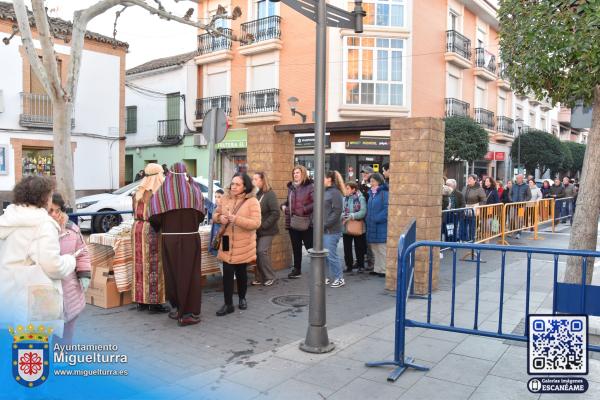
259 101
484 117
455 107
458 43
36 111
169 131
262 29
208 43
506 125
485 59
502 71
205 104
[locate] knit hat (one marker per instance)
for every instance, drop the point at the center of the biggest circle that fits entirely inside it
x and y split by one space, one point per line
378 177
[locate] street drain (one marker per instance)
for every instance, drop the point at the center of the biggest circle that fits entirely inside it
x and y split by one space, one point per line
291 300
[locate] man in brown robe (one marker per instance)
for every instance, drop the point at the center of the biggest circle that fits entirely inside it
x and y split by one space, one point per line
177 210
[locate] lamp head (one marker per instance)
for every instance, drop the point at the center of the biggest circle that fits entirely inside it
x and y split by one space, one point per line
519 123
293 103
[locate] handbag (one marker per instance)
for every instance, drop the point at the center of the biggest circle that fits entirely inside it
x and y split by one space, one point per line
355 227
297 222
216 242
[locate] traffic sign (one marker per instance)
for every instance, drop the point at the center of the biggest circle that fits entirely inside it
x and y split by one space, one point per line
220 127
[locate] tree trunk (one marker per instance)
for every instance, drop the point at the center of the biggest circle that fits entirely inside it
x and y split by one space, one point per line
63 154
584 232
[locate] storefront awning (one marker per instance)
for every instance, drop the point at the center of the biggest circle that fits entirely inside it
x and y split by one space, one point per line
234 139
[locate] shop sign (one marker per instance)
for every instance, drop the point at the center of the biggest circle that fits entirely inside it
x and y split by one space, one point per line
375 143
489 155
308 142
499 156
232 144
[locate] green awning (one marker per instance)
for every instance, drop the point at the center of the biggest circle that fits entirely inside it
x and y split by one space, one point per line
234 139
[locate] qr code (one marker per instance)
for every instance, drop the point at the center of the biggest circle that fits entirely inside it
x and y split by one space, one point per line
557 344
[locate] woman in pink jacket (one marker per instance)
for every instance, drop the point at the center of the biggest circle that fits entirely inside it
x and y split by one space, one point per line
76 283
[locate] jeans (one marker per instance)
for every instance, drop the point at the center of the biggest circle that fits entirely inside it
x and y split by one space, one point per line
297 238
263 259
330 242
241 274
360 249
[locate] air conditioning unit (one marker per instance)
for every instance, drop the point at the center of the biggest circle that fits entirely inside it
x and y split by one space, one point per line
200 140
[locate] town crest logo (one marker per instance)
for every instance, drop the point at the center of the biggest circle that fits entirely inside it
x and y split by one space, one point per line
30 355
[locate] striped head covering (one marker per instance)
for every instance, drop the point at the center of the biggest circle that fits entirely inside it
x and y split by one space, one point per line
178 191
153 179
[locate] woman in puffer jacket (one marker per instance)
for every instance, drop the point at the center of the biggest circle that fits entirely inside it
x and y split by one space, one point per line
29 242
239 216
77 282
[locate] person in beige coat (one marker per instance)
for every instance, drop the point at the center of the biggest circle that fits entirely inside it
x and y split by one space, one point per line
239 216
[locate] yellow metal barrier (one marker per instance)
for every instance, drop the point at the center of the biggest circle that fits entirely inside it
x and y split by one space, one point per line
518 217
545 213
488 222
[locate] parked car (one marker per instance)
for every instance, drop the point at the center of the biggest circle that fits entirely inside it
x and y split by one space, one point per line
119 200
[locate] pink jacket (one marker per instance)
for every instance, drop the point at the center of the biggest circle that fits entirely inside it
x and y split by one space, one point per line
74 298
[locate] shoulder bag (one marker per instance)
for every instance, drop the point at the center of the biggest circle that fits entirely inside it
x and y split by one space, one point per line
297 222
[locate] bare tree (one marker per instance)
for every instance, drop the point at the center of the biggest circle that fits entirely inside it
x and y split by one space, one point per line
62 95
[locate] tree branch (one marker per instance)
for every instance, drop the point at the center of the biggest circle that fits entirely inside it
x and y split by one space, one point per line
27 40
49 56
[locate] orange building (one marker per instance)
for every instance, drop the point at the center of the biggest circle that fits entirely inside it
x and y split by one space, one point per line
415 58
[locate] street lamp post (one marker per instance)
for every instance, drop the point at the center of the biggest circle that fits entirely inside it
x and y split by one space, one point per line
519 123
323 14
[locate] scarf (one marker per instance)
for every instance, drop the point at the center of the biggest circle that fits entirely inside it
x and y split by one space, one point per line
153 179
177 192
355 197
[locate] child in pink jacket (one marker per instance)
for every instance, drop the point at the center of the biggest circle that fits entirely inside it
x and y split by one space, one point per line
75 284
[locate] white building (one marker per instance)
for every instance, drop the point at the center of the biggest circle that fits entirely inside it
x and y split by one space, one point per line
26 141
161 109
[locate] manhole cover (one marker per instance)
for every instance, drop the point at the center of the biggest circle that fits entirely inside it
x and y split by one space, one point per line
291 300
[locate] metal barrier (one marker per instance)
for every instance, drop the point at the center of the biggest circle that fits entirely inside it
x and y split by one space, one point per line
458 225
518 217
567 297
110 222
488 222
545 213
564 209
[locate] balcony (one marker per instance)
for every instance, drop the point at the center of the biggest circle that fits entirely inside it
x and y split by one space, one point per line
261 35
169 131
36 111
259 106
484 118
506 126
485 64
458 49
502 81
214 48
455 107
205 104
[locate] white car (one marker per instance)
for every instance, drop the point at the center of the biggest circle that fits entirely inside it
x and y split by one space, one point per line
119 200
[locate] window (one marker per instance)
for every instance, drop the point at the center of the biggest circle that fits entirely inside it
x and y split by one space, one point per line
382 12
264 9
453 86
519 112
217 84
532 119
173 106
264 77
37 162
502 105
131 119
453 22
374 71
543 122
480 95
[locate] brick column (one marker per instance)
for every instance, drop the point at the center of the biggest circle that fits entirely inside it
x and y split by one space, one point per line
416 164
273 153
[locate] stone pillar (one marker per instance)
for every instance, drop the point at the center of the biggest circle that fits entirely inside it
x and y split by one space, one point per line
416 164
273 153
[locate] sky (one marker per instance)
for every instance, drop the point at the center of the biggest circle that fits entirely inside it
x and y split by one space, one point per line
149 37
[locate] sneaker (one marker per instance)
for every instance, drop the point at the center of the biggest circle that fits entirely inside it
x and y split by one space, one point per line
295 274
518 236
327 281
338 283
269 282
256 283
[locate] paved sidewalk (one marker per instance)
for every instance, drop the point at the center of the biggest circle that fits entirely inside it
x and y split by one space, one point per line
461 366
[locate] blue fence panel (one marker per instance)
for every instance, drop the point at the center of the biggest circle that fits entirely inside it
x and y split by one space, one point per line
567 297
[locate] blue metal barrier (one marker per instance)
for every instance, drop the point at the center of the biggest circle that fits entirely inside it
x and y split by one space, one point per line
567 297
74 217
458 225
